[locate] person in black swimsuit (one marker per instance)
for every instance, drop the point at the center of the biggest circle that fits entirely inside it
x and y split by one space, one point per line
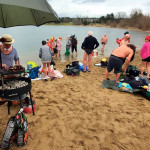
90 43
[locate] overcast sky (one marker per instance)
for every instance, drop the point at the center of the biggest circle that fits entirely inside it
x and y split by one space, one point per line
97 8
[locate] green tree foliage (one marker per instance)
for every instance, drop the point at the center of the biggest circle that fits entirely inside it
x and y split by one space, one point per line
85 22
102 19
135 20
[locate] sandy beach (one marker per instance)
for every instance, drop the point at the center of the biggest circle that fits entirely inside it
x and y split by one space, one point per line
75 113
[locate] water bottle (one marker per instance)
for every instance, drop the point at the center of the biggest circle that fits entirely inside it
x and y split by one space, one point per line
52 67
148 87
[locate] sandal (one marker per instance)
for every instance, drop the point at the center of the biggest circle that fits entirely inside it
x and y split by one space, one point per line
84 71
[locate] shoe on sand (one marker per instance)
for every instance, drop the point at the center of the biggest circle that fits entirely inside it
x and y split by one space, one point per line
46 77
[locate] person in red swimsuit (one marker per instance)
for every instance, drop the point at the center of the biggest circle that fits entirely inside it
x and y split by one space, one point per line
119 40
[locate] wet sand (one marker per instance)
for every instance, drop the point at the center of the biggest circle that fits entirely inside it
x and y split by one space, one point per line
75 113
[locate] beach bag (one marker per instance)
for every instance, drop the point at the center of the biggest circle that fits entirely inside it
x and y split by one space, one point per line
67 53
16 130
27 106
82 68
135 84
132 70
73 68
103 62
23 132
74 64
30 65
72 71
56 74
10 133
34 72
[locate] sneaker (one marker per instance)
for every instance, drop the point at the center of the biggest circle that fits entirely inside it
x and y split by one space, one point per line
46 77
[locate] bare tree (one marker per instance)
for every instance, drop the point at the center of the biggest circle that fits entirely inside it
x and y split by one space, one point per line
121 15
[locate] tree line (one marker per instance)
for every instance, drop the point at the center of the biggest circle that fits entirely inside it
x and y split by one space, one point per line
136 20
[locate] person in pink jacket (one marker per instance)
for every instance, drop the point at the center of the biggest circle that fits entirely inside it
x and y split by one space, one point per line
145 55
59 47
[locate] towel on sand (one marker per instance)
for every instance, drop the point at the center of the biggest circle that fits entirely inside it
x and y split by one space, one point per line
111 84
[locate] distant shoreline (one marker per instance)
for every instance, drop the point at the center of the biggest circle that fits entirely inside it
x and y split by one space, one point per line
95 25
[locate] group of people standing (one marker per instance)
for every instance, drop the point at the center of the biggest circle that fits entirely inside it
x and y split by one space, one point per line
123 54
49 49
71 42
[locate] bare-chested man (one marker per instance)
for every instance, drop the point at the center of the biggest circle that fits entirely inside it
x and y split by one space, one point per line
117 58
126 40
104 41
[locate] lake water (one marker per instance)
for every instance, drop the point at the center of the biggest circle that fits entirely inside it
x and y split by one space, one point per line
28 39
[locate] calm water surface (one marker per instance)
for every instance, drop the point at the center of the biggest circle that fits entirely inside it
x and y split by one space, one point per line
28 39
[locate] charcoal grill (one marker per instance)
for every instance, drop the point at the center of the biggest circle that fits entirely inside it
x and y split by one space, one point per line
12 94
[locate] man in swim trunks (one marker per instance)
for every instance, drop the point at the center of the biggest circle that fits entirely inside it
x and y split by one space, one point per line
104 41
117 58
90 43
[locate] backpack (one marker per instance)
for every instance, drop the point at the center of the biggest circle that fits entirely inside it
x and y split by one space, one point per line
34 72
73 68
132 70
104 62
16 130
134 83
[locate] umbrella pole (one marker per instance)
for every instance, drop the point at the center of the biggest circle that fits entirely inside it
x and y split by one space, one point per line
0 59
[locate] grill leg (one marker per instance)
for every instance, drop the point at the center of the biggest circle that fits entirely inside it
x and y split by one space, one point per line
21 104
31 102
8 105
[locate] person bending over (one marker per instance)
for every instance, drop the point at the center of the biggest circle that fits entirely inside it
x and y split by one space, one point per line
117 59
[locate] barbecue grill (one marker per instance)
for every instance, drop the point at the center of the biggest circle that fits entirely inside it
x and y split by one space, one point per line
15 88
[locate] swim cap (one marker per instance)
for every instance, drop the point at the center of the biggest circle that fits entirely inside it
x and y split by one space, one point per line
147 38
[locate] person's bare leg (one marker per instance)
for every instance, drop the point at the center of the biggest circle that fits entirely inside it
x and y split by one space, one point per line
117 77
85 60
76 53
44 69
106 75
49 69
58 54
148 69
103 46
90 61
143 67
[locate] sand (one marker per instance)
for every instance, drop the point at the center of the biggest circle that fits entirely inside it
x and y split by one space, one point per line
75 113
